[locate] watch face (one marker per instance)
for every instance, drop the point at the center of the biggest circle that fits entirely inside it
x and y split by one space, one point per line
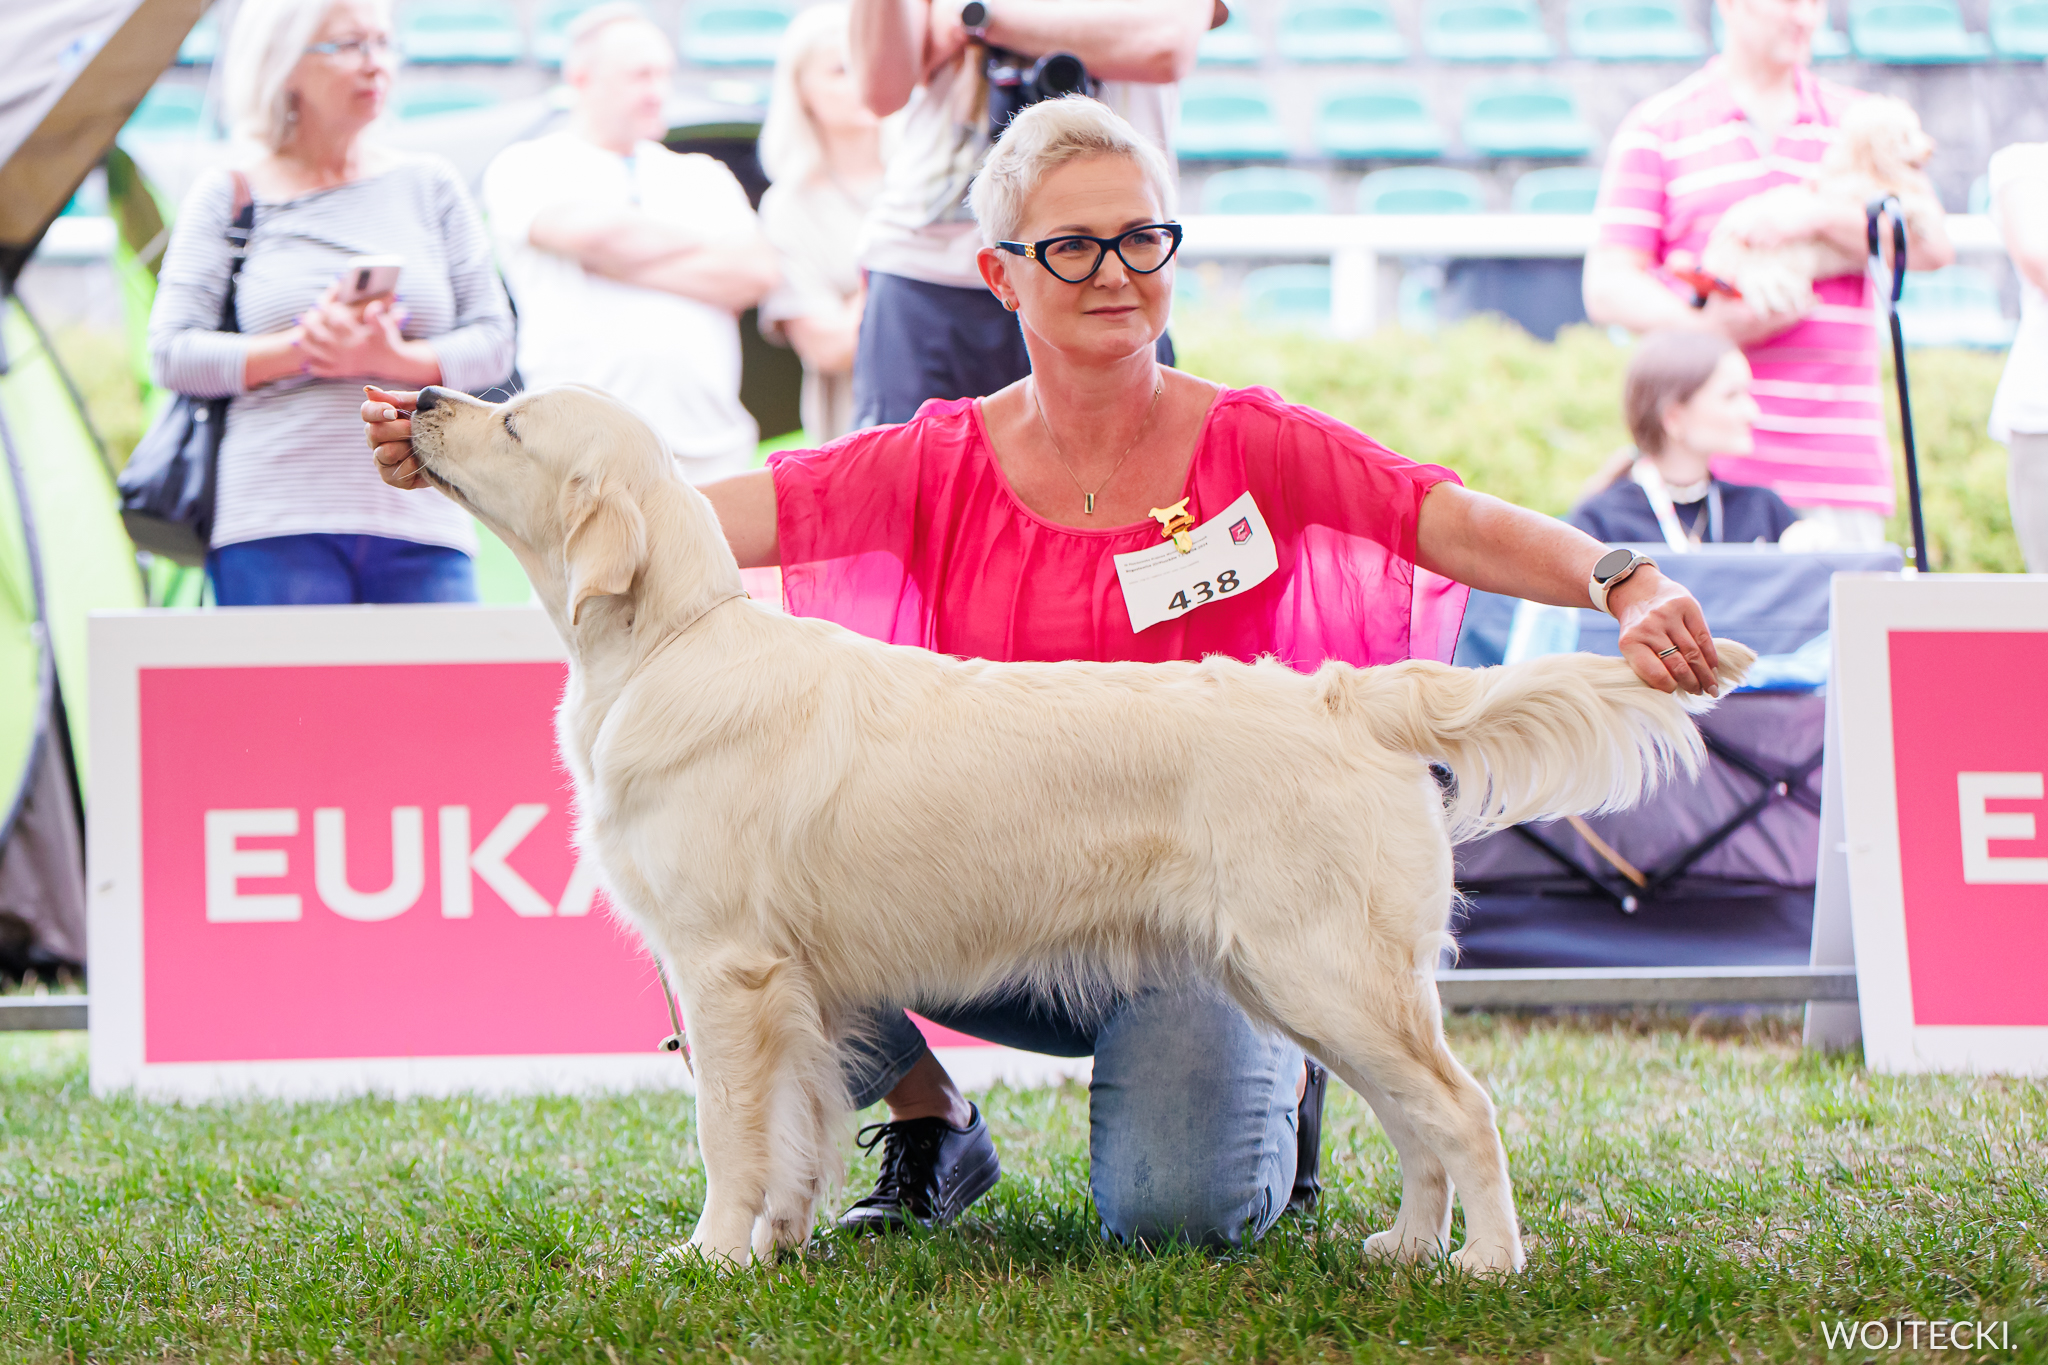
1612 563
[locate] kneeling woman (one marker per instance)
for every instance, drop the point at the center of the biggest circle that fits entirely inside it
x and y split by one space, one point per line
1005 528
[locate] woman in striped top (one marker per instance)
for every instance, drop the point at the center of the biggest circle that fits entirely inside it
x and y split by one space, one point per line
297 518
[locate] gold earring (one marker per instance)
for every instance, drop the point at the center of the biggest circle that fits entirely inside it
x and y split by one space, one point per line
1010 304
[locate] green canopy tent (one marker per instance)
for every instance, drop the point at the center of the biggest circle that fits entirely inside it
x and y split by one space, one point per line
76 69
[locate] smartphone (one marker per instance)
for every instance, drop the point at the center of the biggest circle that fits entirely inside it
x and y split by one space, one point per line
370 277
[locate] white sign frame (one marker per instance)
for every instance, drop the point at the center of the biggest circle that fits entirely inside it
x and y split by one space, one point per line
1866 609
120 645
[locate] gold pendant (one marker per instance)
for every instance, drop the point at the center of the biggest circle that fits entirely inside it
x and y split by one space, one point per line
1089 510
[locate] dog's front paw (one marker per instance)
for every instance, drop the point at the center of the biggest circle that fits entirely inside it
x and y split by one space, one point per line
1396 1245
1489 1258
712 1253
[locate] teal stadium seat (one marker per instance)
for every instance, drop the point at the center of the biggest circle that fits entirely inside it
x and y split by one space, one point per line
1956 306
460 31
1830 44
202 44
743 34
1632 31
1226 120
1289 296
1913 33
1233 44
1559 189
1377 122
1265 189
1341 31
551 29
1525 118
1421 189
2019 29
425 99
168 112
1485 31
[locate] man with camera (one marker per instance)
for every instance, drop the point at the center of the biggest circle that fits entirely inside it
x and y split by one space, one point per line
931 328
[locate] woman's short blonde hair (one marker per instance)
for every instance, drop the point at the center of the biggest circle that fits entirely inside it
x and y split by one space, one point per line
266 38
1042 139
790 149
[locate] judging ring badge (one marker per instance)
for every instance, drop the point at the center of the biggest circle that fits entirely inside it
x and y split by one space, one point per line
1196 565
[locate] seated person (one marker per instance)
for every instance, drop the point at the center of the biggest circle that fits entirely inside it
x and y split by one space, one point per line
1687 400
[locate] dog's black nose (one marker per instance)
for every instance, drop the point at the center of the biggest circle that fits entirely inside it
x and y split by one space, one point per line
431 395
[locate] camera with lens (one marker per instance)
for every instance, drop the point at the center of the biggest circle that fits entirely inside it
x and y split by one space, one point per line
1016 82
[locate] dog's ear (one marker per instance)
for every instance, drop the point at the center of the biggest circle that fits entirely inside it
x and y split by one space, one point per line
607 542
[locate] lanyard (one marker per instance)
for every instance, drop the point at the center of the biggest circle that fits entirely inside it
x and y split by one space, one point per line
1652 483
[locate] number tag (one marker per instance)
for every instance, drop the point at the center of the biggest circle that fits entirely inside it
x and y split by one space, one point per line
1232 551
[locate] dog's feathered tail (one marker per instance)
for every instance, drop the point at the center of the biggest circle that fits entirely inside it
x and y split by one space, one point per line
1566 735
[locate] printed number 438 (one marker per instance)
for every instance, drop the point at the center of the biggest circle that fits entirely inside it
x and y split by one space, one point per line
1226 583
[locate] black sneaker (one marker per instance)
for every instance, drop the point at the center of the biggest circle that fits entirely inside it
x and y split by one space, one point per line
1308 1141
931 1172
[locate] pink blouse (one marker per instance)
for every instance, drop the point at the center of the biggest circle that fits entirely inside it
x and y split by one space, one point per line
912 534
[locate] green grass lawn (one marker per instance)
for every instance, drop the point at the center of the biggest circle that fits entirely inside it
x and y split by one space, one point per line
1705 1194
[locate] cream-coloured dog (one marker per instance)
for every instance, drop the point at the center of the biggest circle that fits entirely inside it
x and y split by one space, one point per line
804 823
1879 150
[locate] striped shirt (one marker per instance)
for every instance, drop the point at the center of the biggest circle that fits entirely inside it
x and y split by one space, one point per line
1679 161
293 460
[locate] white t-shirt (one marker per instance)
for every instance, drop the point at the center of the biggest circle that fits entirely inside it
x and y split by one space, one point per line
2022 401
674 360
920 227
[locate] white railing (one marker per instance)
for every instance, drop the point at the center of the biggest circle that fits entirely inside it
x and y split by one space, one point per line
1354 243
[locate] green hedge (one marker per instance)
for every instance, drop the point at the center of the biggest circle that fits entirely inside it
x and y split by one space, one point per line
1530 421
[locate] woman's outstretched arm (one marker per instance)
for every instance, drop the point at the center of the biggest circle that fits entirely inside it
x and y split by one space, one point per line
1498 547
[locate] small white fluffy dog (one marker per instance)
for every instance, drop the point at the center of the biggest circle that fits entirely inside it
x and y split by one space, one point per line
1879 150
805 823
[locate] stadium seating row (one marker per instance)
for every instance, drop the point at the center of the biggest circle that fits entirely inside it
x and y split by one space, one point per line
1222 119
722 33
1405 189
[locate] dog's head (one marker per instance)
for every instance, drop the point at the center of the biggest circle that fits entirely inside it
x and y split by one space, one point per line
561 475
1882 138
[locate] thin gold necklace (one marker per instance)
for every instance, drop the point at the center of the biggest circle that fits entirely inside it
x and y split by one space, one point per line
1087 498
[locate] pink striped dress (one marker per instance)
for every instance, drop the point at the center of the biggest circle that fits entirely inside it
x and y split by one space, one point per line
1678 162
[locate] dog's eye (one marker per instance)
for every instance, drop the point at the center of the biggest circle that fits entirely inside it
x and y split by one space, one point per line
509 429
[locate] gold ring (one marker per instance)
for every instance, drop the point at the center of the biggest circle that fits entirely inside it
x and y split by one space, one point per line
1666 653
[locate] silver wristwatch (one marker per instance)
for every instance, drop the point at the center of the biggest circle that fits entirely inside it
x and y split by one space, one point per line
1609 570
974 18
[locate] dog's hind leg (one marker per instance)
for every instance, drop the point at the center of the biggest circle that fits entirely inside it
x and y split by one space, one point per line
1422 1228
1387 1042
750 1017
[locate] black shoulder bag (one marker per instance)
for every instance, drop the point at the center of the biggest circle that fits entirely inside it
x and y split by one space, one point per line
167 486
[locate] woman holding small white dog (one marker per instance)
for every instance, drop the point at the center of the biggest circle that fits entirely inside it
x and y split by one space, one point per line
297 520
1110 508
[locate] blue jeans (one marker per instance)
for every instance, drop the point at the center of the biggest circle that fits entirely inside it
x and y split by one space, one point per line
326 570
1191 1112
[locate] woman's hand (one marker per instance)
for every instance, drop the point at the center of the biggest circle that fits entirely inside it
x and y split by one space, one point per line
387 419
346 340
1655 614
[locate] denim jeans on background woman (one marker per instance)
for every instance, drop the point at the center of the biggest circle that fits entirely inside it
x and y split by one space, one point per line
329 570
1191 1112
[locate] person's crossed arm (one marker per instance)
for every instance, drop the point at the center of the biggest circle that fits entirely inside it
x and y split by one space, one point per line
898 43
635 247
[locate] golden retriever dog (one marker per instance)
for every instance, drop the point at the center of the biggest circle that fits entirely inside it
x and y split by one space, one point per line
1879 150
804 823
